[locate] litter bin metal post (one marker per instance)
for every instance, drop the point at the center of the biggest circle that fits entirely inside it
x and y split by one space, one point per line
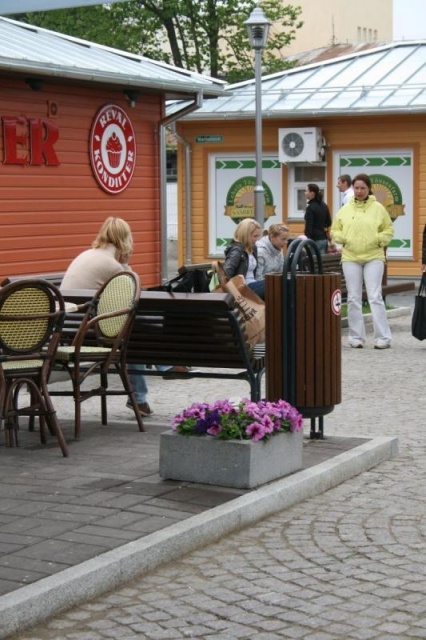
303 335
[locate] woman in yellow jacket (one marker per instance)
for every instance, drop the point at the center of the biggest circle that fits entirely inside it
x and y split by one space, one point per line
363 228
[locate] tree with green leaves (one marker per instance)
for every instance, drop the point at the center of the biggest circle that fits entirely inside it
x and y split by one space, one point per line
207 36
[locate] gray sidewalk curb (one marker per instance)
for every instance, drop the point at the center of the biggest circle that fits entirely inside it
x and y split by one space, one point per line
35 603
391 313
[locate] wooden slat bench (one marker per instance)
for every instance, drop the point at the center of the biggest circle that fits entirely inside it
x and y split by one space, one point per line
190 329
195 330
53 278
331 263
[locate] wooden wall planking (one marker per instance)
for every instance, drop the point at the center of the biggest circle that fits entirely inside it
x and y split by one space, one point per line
48 214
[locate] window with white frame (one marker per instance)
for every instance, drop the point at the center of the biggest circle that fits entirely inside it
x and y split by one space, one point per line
299 175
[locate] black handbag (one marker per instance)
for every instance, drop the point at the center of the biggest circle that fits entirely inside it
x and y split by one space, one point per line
418 321
188 281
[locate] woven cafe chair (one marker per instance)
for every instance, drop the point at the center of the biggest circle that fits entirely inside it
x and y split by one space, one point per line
100 345
32 313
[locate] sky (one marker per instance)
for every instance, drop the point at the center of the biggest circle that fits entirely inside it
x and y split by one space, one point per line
409 16
409 19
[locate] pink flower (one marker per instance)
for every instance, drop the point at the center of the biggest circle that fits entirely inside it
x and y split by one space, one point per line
268 424
245 420
296 420
214 430
256 431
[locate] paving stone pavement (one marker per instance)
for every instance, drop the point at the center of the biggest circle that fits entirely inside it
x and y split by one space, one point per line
349 563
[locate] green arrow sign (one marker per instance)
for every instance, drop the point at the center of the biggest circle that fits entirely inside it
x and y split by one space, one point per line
247 164
271 164
376 161
222 242
235 164
399 243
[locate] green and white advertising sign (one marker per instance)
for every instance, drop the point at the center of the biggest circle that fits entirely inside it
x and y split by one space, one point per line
232 178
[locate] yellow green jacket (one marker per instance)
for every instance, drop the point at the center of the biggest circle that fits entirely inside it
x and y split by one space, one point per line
364 228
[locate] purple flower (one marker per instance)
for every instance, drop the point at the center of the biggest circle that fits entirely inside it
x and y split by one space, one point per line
256 431
296 420
268 424
209 420
224 406
245 420
214 430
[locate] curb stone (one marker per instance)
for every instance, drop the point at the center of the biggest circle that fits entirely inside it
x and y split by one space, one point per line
391 313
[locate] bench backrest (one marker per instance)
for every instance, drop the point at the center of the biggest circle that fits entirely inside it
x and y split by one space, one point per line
187 329
53 278
332 263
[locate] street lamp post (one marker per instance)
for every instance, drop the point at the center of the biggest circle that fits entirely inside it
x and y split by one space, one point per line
258 29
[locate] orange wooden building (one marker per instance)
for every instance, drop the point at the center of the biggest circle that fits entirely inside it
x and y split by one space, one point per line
82 129
364 112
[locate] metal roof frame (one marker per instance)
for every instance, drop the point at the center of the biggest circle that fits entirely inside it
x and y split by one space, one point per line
387 79
31 50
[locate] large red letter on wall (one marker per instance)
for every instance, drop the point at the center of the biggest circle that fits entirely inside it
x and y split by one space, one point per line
43 135
12 140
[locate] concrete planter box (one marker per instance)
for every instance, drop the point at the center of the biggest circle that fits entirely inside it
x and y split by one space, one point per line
241 464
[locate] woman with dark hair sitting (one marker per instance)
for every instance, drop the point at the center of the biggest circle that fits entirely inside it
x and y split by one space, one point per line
317 217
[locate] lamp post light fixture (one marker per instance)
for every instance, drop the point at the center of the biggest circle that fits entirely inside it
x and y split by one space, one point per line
258 30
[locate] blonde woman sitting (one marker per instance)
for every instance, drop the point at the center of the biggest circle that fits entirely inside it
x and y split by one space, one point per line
241 255
270 256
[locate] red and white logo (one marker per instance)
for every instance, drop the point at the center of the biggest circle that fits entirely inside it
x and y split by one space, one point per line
112 149
336 302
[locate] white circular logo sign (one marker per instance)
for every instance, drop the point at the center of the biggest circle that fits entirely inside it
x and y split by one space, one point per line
112 149
336 302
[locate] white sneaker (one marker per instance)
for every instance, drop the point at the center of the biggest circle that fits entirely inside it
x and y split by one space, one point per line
356 344
382 345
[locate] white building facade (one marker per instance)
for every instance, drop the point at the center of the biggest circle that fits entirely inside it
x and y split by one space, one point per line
331 22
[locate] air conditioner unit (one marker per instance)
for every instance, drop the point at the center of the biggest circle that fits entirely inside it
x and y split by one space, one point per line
300 145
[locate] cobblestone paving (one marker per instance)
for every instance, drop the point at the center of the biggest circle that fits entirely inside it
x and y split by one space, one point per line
348 564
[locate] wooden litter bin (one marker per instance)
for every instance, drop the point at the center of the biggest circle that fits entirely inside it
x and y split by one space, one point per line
303 341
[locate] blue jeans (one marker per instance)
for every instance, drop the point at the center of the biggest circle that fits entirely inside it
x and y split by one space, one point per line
258 286
322 245
138 380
